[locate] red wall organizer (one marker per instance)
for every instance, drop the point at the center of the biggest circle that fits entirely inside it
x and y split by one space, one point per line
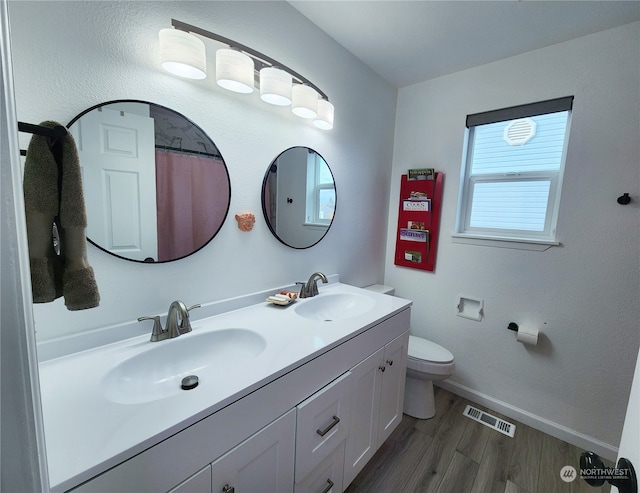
413 221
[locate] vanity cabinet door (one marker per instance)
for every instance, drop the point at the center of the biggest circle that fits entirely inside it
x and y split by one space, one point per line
200 482
264 462
362 441
392 393
378 399
322 424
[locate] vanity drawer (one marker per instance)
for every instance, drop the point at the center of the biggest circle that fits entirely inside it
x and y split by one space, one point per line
322 424
198 483
327 477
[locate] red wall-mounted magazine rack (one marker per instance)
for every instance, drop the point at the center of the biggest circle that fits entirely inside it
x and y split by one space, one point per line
418 228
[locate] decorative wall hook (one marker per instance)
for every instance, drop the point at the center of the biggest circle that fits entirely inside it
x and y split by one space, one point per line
624 199
245 221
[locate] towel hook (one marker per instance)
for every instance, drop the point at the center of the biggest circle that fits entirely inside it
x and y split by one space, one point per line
624 199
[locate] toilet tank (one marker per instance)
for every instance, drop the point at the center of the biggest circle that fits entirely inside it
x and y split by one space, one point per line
381 288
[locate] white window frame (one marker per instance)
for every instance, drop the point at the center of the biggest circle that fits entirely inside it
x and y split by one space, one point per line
314 186
512 238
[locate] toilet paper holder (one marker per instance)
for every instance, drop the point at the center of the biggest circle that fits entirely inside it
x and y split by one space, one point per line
525 335
513 326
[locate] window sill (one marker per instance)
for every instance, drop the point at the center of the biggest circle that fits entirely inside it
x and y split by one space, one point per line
513 243
316 226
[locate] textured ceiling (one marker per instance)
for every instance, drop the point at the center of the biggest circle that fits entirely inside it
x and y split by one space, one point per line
406 42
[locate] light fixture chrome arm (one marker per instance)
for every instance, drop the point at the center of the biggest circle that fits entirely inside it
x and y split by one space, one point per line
262 59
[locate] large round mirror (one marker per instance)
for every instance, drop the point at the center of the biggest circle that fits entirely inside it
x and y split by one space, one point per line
156 187
299 197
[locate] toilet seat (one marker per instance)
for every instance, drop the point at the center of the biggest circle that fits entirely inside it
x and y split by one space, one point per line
428 357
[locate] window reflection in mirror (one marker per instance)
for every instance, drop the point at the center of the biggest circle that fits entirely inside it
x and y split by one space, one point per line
299 197
156 187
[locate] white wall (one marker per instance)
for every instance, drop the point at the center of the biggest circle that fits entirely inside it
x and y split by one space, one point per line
583 295
69 56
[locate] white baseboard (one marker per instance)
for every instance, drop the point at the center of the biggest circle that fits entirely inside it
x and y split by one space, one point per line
556 430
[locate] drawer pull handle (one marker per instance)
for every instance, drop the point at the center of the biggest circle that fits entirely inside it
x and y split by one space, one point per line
328 488
228 489
390 362
335 421
382 368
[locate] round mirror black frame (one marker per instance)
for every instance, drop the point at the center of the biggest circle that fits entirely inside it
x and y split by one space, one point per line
273 167
226 211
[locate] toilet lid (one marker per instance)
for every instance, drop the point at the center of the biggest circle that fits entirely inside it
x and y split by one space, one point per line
420 348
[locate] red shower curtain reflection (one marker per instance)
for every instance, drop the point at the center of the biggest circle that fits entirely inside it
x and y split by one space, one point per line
192 201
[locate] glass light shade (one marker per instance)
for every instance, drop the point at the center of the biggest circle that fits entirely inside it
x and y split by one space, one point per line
324 120
275 86
234 70
304 101
183 54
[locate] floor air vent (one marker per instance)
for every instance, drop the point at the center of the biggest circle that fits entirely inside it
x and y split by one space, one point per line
490 421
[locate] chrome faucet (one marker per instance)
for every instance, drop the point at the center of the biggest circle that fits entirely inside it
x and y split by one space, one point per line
310 289
177 322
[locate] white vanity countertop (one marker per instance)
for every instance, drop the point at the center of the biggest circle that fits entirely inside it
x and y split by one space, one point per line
86 433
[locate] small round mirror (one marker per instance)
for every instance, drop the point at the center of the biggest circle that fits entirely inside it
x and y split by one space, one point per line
299 197
156 187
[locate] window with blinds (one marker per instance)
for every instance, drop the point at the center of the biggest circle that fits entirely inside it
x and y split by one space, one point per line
512 171
321 191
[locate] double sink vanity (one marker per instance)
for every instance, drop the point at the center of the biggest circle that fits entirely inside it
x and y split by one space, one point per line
287 398
242 395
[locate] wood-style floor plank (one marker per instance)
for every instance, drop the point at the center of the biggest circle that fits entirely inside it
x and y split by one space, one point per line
557 454
459 476
514 488
473 441
394 463
451 453
433 466
524 467
494 466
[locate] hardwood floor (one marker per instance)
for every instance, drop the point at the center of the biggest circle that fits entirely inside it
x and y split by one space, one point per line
451 453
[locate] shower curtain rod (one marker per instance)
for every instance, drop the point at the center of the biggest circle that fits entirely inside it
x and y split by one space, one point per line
188 151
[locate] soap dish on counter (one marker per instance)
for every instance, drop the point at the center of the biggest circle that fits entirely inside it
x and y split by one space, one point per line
283 299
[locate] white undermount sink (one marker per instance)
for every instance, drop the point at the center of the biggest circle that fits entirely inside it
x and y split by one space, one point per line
332 306
157 372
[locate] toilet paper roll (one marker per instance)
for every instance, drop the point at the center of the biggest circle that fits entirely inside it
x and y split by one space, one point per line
528 335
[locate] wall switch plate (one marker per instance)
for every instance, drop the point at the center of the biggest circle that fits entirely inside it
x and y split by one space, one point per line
470 308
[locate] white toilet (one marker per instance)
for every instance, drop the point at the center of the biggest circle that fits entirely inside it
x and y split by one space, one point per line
426 362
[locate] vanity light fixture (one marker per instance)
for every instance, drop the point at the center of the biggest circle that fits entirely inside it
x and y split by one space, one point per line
304 101
234 70
182 54
275 86
239 68
324 120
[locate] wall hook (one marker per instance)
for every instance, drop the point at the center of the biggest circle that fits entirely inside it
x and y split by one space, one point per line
624 199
